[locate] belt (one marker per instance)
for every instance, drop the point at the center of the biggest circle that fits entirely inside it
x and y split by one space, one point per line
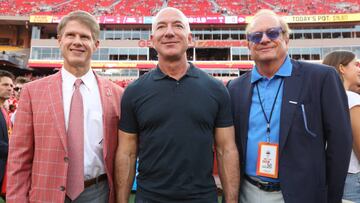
265 186
92 181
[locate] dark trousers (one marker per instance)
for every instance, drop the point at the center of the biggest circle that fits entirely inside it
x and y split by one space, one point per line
143 200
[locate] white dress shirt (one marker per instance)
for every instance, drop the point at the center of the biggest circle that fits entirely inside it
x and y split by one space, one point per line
93 120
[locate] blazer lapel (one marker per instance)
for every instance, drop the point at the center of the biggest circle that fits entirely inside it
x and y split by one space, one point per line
291 94
245 103
57 107
105 94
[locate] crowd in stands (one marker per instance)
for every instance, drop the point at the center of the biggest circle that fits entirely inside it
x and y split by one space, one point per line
137 8
191 8
141 8
289 7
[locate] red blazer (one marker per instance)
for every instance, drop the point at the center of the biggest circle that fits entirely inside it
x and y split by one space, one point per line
37 170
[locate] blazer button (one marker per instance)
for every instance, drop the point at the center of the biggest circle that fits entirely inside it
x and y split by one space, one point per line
62 188
66 159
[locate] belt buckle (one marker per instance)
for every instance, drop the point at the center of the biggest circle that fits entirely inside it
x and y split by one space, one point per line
268 187
265 186
95 180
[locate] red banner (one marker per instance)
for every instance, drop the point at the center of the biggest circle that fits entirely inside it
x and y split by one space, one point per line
221 43
217 20
120 20
145 19
205 43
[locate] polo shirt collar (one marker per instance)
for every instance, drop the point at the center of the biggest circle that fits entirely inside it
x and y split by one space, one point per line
284 71
191 72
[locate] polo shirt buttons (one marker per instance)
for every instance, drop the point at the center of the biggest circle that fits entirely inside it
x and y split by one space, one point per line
62 188
66 159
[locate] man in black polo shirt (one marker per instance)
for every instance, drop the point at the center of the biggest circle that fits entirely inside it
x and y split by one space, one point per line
171 118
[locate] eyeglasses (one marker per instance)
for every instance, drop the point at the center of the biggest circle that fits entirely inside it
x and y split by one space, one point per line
17 89
271 33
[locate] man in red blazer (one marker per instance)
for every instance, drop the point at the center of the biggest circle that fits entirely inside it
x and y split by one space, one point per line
41 152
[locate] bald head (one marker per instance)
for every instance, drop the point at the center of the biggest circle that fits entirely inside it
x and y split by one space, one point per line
174 11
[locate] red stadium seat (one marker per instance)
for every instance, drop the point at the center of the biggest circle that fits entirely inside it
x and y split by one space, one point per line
190 8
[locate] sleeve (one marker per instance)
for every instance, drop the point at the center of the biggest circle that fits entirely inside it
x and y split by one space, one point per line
224 116
337 132
4 147
21 152
353 99
128 121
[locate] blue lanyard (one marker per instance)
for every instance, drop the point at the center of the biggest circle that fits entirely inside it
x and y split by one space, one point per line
268 120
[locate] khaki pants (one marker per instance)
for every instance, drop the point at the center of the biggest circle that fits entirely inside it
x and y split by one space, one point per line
252 194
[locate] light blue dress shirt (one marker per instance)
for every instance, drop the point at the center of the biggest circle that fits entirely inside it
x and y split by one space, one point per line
257 121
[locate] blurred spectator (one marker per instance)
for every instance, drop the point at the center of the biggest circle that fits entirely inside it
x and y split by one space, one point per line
6 87
19 82
347 66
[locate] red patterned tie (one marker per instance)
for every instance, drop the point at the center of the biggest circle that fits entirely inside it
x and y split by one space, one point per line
75 178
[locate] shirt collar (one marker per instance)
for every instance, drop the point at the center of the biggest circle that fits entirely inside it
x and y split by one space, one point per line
69 79
284 71
192 71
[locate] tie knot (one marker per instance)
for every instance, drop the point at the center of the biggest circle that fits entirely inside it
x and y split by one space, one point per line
78 82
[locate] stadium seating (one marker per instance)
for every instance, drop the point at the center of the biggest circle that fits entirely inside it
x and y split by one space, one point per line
137 7
289 7
189 7
194 8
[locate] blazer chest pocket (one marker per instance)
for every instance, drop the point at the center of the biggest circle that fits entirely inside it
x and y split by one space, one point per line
305 114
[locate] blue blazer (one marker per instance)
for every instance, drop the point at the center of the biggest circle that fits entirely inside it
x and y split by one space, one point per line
4 144
315 132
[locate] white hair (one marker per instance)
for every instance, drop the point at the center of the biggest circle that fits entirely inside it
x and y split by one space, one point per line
284 25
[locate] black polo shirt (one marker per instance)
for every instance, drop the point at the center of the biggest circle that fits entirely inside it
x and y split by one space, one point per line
175 122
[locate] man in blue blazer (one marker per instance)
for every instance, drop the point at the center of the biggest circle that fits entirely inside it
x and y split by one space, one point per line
6 89
291 120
